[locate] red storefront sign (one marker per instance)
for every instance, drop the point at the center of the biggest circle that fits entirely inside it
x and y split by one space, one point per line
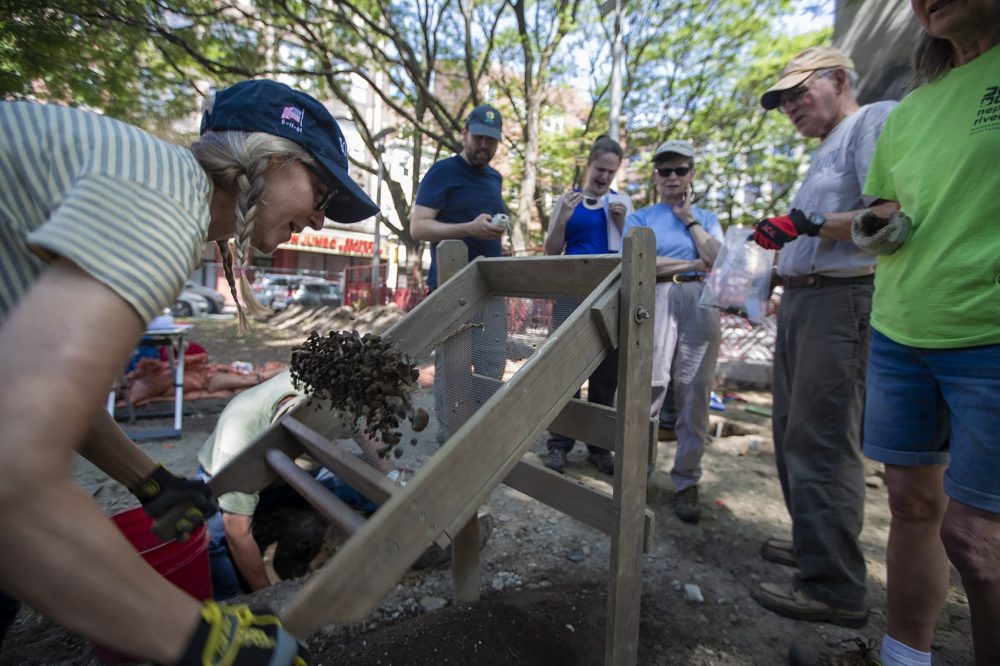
344 243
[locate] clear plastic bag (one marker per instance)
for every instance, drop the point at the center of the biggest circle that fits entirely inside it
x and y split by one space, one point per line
740 281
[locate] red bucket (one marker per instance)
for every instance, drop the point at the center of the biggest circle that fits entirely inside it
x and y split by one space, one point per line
183 564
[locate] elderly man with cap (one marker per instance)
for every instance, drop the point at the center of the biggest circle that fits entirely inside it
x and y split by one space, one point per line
822 343
457 199
685 336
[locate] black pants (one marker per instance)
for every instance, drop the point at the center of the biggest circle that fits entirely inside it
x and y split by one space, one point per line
603 383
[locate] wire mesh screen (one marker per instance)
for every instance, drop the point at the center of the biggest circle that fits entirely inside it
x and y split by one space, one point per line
484 350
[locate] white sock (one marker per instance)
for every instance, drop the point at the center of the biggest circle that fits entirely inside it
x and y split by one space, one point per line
895 653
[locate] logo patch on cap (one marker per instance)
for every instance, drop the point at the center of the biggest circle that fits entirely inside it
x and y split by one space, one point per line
490 116
291 116
343 145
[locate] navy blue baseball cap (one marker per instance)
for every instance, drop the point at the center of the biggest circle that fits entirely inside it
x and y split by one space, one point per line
484 120
267 106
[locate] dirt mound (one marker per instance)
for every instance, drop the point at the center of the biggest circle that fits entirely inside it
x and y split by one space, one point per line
554 627
302 319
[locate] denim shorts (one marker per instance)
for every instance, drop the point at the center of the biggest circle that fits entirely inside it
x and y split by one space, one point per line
937 407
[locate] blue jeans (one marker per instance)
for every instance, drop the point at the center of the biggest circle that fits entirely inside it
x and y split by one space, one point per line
226 580
937 407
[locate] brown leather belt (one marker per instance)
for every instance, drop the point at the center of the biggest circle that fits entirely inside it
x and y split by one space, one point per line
678 278
819 281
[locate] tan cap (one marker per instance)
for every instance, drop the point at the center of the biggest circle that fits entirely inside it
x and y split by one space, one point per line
683 148
800 67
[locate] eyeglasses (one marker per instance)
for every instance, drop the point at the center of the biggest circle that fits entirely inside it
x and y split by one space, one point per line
666 171
331 190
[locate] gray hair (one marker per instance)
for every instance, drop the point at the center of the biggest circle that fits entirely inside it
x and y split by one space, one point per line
240 159
852 76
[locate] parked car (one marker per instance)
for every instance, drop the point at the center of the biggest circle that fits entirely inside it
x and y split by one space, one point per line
270 285
311 292
216 302
189 304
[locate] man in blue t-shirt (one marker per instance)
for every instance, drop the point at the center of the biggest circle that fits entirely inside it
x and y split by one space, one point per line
460 195
457 199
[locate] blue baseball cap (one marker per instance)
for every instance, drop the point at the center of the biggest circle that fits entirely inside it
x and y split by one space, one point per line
261 105
484 120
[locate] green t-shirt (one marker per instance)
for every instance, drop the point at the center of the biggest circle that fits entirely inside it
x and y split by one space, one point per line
244 419
938 157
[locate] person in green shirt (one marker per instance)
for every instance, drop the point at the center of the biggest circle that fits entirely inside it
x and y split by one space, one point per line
934 368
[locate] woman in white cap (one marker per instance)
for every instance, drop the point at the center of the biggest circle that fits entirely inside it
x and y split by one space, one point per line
685 336
934 368
101 225
589 220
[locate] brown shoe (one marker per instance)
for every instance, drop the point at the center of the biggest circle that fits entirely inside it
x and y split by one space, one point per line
784 599
686 506
778 550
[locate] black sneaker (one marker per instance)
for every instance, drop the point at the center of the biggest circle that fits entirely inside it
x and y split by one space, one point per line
555 460
239 636
686 506
604 461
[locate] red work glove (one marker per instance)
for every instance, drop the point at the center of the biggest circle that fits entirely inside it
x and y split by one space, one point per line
773 232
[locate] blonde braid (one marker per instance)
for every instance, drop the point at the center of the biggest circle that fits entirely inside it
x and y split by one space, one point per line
251 185
227 268
239 160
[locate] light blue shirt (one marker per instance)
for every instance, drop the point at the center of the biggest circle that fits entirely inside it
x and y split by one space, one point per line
672 238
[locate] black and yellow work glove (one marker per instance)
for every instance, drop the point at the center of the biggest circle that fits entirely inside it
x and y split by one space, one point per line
176 505
238 636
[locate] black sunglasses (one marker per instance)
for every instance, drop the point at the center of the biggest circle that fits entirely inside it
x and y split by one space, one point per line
331 190
666 171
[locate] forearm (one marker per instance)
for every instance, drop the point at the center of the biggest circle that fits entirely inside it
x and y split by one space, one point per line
108 447
555 240
838 225
431 230
706 244
244 550
667 267
48 525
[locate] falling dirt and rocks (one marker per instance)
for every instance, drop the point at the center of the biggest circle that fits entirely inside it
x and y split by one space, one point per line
544 575
364 379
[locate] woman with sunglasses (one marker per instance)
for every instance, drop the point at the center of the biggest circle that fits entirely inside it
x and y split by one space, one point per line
589 220
931 409
102 223
685 336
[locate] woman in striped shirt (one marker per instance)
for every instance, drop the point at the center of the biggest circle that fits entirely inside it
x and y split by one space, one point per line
100 225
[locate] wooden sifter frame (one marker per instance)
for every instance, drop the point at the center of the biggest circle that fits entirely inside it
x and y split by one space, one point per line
441 500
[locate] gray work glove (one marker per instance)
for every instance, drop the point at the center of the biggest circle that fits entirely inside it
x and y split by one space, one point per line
878 235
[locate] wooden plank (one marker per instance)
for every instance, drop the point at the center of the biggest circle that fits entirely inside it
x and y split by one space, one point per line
456 370
575 498
606 315
329 505
587 422
588 505
465 570
439 314
447 491
249 472
571 277
621 645
361 476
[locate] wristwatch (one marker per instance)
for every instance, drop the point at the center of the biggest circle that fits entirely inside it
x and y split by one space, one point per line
816 221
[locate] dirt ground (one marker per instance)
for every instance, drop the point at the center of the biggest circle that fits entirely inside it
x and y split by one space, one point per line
544 576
